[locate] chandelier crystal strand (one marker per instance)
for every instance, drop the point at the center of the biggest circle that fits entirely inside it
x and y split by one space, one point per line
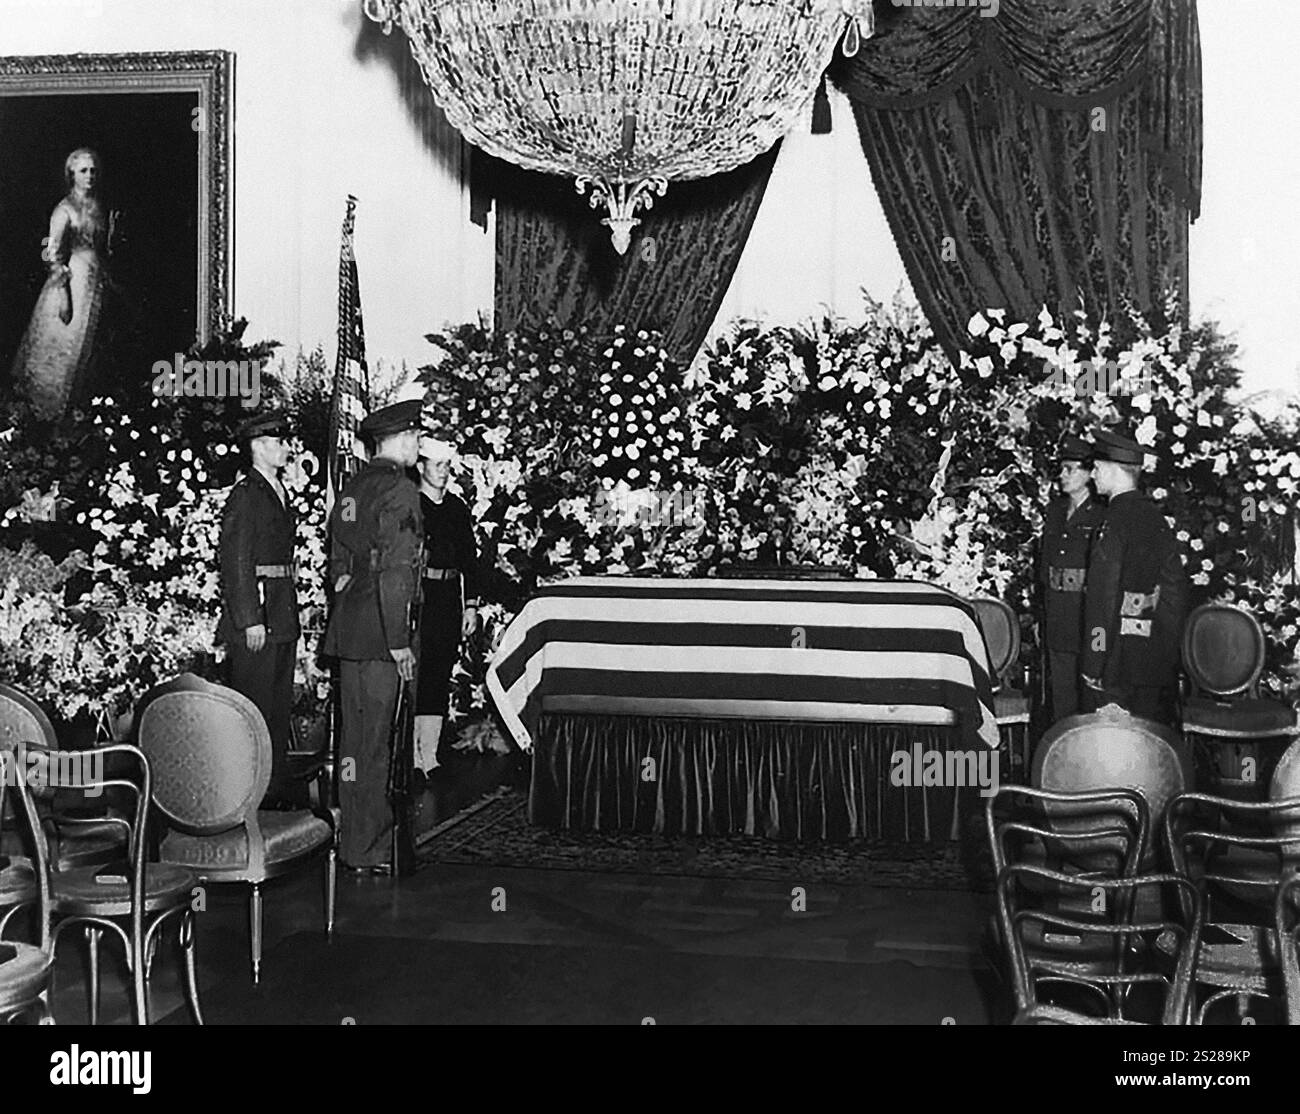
625 96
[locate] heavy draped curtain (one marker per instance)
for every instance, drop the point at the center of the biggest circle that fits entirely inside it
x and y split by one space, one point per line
1050 155
554 257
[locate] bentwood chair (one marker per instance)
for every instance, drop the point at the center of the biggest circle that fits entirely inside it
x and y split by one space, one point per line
1057 1015
211 753
1286 914
1112 749
74 840
132 898
1238 853
1126 948
26 969
1000 626
1237 732
1099 831
1097 834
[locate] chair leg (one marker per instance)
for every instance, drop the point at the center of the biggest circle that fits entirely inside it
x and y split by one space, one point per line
331 889
138 986
191 972
255 930
93 935
150 950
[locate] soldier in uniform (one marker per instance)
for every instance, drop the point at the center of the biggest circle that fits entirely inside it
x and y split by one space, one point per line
450 594
375 541
1136 595
259 599
1069 525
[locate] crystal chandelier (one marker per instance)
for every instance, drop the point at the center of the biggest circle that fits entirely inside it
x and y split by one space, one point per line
625 95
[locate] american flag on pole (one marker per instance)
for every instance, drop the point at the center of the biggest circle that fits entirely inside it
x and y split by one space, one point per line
351 398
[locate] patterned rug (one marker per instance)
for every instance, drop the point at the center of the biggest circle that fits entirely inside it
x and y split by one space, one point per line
496 831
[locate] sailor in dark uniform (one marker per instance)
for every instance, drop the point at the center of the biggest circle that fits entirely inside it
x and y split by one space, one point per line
259 599
375 543
451 589
1136 595
1069 525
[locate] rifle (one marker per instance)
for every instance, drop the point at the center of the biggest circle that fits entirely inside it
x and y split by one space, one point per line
401 762
401 750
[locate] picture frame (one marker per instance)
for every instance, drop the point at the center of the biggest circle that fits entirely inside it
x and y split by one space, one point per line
160 126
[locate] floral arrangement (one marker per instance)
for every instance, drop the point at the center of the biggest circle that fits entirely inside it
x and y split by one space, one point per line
849 444
138 599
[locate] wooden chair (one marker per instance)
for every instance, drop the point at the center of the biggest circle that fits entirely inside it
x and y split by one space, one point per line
1000 627
1056 1015
1097 834
1238 853
1223 656
1112 749
1286 914
212 760
1124 947
1093 831
73 840
26 973
145 895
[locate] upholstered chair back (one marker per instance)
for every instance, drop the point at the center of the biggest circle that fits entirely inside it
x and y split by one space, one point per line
1223 649
1111 750
210 753
1001 630
1285 786
23 722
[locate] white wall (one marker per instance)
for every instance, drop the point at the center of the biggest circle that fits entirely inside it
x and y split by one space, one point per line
820 235
313 123
1246 246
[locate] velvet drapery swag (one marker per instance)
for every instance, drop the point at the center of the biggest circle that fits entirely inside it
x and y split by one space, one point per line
1048 155
554 257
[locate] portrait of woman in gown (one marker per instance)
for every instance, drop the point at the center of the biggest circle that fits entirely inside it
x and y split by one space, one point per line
55 363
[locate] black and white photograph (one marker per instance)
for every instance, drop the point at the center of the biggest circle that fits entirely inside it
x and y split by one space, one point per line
598 513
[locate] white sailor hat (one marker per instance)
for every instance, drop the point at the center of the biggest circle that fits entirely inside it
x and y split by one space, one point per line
433 448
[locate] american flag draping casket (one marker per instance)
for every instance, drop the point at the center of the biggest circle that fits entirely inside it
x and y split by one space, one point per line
849 651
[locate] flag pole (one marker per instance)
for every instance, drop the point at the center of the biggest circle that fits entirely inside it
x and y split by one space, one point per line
349 402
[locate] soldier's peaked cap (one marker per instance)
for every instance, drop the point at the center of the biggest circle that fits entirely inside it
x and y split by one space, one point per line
1118 448
396 418
1074 448
269 423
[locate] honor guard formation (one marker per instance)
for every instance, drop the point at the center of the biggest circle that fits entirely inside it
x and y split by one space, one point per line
403 572
1115 591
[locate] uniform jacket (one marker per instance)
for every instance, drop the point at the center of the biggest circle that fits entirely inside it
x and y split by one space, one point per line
1136 598
1063 568
449 540
376 537
256 529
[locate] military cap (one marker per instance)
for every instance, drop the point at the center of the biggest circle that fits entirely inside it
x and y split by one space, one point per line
1074 448
395 418
269 423
1115 447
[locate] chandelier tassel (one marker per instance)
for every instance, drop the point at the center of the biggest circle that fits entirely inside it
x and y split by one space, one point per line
821 120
